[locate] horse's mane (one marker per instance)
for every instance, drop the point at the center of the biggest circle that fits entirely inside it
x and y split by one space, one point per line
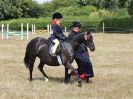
70 38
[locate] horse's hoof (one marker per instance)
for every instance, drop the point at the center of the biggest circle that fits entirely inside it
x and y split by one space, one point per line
30 79
65 82
90 81
80 85
46 79
87 81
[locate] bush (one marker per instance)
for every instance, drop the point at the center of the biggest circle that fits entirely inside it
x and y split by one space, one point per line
130 9
77 11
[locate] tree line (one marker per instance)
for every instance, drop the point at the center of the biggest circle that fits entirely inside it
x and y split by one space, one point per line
10 9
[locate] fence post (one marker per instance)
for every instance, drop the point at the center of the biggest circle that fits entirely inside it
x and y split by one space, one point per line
2 31
34 29
48 29
65 30
22 32
27 31
103 27
7 37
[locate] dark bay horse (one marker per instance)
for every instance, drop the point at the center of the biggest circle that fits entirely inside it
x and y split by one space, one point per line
39 47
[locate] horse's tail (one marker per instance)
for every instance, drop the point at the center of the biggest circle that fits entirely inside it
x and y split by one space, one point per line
27 54
26 59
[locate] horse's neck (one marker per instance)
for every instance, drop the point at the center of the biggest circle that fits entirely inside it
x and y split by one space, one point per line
77 40
74 43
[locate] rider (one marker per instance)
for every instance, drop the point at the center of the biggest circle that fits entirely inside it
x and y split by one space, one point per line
57 31
85 68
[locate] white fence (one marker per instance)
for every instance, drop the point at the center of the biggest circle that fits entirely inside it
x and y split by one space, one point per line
6 33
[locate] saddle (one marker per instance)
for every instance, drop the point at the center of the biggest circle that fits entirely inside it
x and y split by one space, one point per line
57 53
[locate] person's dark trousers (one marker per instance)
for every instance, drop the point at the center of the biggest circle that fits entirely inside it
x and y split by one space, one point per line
84 64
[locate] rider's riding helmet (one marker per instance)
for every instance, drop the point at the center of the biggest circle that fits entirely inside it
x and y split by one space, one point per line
76 24
57 15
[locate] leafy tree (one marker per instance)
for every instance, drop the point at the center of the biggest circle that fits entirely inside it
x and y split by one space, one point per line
47 9
98 3
130 8
122 3
111 4
64 3
10 9
102 4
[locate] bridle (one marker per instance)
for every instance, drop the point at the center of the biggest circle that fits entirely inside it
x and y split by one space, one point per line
86 36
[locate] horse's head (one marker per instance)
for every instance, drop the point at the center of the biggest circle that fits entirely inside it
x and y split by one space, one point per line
88 41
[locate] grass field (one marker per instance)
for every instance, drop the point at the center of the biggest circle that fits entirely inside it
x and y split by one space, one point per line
112 63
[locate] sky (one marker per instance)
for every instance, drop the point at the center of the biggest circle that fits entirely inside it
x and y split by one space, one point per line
41 1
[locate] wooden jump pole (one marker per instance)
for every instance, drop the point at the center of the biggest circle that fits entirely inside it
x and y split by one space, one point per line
2 30
34 29
7 31
65 30
27 31
48 29
103 27
22 32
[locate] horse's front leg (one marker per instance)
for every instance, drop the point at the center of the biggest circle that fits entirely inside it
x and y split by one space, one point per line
67 76
76 72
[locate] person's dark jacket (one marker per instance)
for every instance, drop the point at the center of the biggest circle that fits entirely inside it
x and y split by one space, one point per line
57 33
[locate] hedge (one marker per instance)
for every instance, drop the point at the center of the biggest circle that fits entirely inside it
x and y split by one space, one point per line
41 23
15 24
113 24
118 25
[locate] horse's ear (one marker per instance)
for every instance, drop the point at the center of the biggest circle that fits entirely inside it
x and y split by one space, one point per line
85 36
88 32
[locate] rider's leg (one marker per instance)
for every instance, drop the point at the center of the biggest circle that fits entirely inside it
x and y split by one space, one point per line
56 41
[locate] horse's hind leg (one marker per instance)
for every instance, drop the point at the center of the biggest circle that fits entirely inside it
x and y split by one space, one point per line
76 72
66 80
31 70
40 67
31 62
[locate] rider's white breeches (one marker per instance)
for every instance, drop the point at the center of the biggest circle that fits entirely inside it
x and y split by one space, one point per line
56 41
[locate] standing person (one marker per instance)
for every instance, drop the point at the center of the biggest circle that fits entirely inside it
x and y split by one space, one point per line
57 34
85 68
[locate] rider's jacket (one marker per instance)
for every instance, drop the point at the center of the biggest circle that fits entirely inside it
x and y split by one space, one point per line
57 33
